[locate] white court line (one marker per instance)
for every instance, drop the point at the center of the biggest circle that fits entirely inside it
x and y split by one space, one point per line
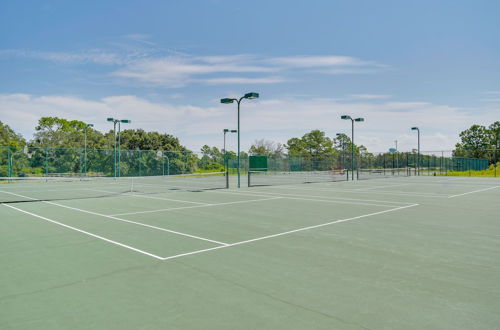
398 193
197 206
127 221
86 233
305 197
260 193
473 192
150 197
288 232
386 186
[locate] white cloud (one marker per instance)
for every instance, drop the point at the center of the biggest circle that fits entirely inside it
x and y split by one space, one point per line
370 96
274 119
241 80
91 56
316 61
147 67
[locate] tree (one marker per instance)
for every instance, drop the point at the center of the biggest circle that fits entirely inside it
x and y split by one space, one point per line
212 159
266 148
8 137
478 141
63 133
315 144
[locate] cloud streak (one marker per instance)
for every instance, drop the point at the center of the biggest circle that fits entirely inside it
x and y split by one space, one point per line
146 67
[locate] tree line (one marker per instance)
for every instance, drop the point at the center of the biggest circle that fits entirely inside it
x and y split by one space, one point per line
150 153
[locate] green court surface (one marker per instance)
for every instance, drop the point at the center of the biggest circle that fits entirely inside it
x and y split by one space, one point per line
401 253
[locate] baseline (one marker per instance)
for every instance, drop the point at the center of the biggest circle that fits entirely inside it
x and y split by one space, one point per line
128 221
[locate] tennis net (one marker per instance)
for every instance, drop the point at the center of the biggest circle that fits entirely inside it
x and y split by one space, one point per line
32 189
367 174
272 178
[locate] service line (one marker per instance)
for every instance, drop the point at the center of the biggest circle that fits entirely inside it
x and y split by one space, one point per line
473 192
289 232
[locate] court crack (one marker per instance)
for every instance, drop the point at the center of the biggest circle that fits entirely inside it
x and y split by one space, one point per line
275 298
69 284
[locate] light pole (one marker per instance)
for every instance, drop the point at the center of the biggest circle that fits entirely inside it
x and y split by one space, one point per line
226 130
418 149
249 96
346 117
118 121
85 149
340 135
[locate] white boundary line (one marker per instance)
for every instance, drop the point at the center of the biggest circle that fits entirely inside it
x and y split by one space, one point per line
339 200
385 186
128 221
397 193
150 197
260 193
473 192
288 232
197 206
86 233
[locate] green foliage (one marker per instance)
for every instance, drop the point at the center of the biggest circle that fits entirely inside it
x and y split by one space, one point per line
59 132
139 139
314 143
8 137
492 171
212 159
479 141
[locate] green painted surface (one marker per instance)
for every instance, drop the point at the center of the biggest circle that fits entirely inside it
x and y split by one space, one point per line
430 266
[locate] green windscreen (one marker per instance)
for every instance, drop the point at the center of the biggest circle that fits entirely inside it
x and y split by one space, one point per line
258 163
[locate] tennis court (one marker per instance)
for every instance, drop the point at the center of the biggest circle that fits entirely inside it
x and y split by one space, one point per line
400 253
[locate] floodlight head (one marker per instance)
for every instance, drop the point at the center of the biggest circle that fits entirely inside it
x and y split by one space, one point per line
90 125
226 101
414 128
110 119
226 130
359 119
345 117
251 96
126 121
234 131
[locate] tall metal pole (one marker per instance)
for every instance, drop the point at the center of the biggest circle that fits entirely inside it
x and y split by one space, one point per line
239 101
85 152
114 134
119 151
225 158
418 152
352 148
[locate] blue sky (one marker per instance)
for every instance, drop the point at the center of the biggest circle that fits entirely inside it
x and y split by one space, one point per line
166 64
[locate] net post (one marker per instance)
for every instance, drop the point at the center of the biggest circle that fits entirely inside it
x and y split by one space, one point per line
226 173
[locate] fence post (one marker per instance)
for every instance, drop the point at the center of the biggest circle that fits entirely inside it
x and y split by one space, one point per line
46 161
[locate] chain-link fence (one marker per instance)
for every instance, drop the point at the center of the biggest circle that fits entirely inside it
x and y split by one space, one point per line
40 161
432 163
37 161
